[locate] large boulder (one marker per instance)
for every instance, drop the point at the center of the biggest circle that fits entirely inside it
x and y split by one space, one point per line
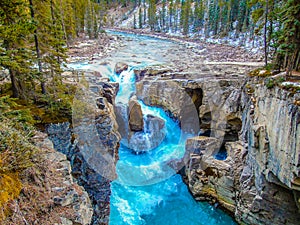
153 134
136 122
120 67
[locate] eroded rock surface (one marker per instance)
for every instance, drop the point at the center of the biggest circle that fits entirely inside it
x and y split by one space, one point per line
153 134
258 180
136 122
68 195
92 145
120 67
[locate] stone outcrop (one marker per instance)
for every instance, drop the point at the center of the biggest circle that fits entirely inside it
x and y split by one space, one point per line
202 144
257 127
121 111
204 104
92 143
153 134
139 132
69 196
120 67
271 130
136 121
257 181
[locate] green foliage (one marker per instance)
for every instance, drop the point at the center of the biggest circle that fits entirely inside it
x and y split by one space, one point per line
257 14
289 36
35 32
15 30
152 14
40 109
140 18
292 89
10 109
185 16
272 82
16 150
199 15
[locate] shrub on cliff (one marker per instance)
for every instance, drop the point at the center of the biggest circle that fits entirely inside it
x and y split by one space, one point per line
16 150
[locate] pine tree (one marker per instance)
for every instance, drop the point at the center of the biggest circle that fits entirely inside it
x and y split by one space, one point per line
199 15
289 36
79 8
185 16
89 19
176 22
164 14
16 29
37 49
67 20
152 14
134 22
140 18
145 13
171 13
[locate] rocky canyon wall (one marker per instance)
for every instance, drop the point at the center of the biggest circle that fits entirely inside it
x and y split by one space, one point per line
257 180
91 143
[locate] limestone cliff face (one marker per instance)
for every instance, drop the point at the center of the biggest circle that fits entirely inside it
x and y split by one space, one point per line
206 103
92 143
71 202
271 133
258 181
273 127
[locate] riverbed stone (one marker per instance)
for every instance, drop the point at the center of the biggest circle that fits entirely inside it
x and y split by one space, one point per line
136 122
153 134
120 67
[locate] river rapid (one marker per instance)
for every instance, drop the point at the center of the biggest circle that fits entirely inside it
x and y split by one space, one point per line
147 190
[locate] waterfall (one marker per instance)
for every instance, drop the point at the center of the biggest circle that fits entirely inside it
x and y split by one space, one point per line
148 189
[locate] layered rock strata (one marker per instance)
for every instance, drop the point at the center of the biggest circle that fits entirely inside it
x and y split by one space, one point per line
72 200
258 180
257 127
92 143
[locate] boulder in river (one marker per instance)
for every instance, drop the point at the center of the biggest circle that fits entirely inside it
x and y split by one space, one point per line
120 67
152 136
136 122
